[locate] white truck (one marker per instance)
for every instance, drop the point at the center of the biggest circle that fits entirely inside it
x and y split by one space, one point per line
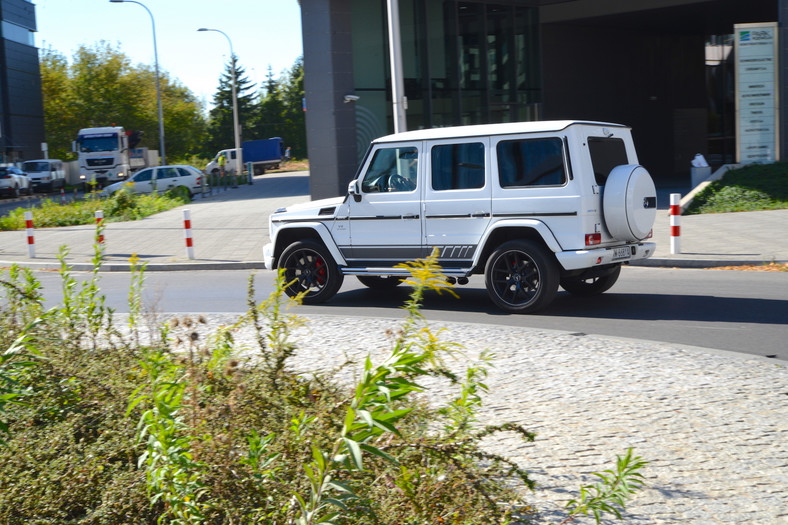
105 157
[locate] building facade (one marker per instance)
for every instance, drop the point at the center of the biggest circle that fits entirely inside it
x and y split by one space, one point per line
21 105
664 67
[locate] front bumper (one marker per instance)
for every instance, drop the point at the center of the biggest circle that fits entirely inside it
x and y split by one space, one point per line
577 260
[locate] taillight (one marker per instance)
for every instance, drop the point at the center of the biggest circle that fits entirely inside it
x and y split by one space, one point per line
593 239
199 181
650 234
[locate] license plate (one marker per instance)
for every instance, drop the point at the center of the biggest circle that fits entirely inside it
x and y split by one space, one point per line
621 253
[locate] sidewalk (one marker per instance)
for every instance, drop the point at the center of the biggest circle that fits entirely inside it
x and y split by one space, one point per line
229 229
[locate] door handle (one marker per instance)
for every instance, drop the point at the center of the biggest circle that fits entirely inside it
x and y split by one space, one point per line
410 216
479 214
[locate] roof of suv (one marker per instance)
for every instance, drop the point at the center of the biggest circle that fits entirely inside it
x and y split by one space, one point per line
545 126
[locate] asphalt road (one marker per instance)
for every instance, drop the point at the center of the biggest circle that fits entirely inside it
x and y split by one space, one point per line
721 309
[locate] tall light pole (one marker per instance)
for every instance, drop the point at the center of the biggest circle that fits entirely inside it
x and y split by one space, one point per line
158 85
236 128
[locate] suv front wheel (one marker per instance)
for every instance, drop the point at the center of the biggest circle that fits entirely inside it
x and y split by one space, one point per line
310 268
520 277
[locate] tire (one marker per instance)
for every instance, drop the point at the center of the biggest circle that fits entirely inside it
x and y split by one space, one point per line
311 269
592 286
521 277
376 282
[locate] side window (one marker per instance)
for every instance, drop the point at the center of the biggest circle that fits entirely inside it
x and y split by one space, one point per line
166 173
606 154
531 162
143 176
458 166
183 172
392 169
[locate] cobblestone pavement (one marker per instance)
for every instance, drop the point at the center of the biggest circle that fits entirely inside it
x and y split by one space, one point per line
713 425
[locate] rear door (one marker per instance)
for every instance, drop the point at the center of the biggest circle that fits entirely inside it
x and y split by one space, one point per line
457 198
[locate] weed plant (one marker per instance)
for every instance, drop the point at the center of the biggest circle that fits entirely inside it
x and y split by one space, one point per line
751 188
121 206
181 425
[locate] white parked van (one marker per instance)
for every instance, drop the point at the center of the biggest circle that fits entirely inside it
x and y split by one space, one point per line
45 174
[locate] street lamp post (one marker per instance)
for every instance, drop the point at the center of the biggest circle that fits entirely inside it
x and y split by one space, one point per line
158 85
236 128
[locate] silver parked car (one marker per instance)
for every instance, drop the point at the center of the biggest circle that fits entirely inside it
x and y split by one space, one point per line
14 182
161 179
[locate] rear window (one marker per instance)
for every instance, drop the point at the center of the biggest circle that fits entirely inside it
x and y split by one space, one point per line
606 154
531 162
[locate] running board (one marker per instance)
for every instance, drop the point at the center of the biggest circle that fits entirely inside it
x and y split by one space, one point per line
400 272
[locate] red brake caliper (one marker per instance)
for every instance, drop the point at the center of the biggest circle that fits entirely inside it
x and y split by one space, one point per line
320 268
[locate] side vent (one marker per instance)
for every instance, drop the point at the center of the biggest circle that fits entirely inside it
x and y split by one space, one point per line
327 211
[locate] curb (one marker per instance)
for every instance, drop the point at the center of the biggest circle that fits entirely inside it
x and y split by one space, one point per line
656 262
151 267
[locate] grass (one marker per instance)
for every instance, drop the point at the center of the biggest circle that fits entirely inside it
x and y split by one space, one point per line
751 188
122 206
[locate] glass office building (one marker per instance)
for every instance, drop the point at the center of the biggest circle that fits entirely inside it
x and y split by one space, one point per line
649 64
21 106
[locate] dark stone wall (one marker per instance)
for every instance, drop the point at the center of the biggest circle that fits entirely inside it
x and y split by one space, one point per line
328 77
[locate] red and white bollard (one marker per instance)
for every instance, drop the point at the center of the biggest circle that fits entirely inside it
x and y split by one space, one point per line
62 196
31 241
675 228
187 232
99 219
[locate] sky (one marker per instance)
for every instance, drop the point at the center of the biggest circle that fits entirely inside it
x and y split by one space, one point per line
263 33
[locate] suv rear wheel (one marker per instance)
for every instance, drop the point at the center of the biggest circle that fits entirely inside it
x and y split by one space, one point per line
314 271
592 286
520 277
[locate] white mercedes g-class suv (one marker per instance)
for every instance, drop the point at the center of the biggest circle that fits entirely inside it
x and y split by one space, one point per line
531 205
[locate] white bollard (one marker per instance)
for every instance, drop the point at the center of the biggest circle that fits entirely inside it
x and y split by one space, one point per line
675 228
31 241
187 231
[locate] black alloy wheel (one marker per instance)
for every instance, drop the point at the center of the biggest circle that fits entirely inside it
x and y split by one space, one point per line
311 270
521 277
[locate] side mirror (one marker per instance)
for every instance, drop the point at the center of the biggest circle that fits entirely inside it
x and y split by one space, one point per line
352 189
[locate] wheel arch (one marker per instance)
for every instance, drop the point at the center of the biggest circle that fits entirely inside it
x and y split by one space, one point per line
532 230
287 235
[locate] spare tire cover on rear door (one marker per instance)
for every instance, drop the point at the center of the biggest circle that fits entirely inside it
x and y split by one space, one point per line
629 203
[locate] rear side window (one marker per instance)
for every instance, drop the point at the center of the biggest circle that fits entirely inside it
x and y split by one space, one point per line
606 154
458 166
531 162
183 172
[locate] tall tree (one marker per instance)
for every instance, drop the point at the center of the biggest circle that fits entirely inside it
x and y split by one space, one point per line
280 111
102 88
220 122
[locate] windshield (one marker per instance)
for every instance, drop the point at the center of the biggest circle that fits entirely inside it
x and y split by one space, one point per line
103 142
36 166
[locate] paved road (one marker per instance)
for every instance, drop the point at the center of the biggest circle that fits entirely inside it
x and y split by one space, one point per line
713 424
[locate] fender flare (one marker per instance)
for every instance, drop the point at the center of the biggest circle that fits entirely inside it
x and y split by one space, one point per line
322 232
540 227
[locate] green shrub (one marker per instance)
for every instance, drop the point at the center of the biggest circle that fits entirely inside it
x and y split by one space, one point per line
176 427
751 188
121 206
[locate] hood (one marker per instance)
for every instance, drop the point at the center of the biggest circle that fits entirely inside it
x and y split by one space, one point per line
318 208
